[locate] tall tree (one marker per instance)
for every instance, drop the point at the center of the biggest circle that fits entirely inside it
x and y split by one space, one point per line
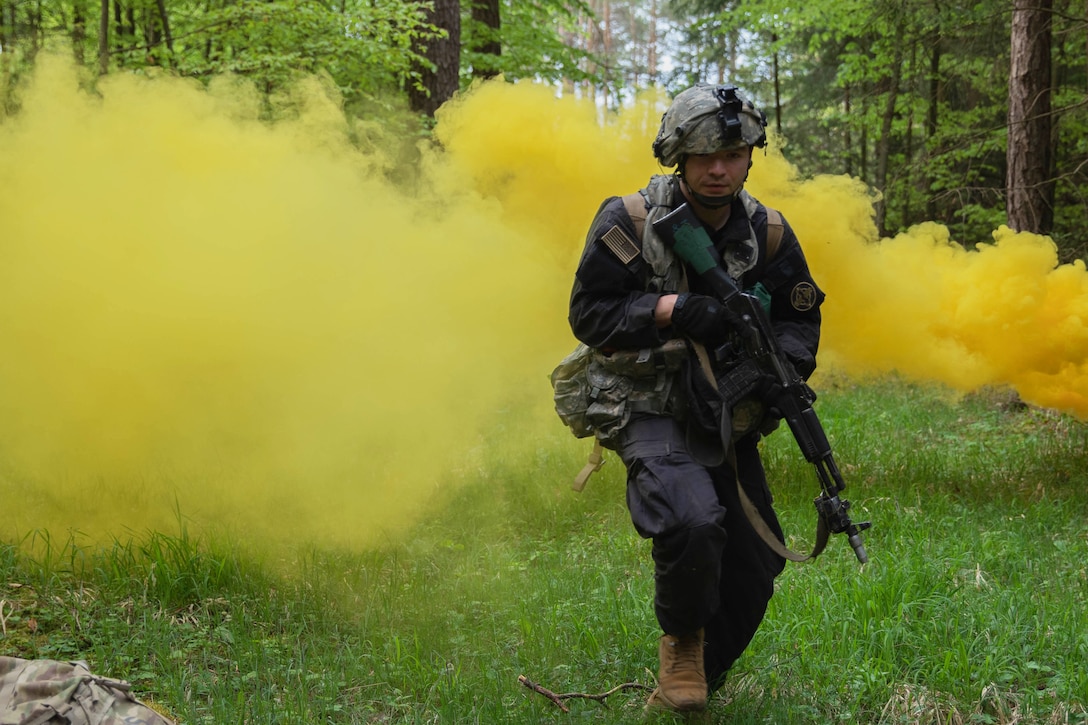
651 45
1029 185
933 109
79 29
104 38
164 19
885 140
487 21
439 76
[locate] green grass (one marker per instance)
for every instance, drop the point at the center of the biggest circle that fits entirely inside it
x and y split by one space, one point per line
974 608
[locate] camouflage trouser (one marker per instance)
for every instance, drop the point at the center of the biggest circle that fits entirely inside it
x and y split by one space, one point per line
46 692
711 569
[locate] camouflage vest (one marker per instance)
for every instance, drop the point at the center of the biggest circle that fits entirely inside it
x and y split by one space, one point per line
596 394
47 692
658 199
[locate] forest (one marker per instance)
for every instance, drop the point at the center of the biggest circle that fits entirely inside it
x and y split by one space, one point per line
277 443
971 116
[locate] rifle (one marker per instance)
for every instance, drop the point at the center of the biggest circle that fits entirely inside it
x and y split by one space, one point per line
760 359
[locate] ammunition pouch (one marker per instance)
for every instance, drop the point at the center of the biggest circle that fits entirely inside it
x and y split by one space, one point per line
596 393
571 390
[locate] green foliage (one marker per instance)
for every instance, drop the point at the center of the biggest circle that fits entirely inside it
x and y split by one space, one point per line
838 66
532 41
909 97
931 177
1072 171
365 46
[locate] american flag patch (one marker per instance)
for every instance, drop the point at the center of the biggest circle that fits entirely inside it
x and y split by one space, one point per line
621 244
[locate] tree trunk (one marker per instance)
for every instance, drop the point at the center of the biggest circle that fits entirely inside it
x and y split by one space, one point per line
79 30
863 159
591 46
104 39
441 82
152 33
847 141
908 191
1029 201
573 40
651 60
37 32
208 44
606 44
487 13
884 143
777 87
166 27
118 23
931 114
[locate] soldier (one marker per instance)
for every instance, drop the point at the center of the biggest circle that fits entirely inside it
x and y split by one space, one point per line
713 575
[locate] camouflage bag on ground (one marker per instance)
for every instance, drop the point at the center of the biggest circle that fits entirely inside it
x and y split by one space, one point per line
47 692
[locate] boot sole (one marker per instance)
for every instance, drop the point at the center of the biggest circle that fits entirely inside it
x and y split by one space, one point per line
658 702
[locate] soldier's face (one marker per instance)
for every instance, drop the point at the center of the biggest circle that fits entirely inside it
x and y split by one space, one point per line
718 174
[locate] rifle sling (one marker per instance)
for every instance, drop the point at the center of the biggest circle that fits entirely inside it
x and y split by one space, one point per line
755 518
759 524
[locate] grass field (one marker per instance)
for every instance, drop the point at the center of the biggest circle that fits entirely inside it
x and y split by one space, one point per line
974 608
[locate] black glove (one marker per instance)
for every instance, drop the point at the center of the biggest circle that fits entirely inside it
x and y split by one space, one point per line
703 318
803 363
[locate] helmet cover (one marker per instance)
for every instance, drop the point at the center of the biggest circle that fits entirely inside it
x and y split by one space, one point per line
707 118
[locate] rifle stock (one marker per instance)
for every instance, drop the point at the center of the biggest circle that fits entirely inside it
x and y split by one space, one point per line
788 394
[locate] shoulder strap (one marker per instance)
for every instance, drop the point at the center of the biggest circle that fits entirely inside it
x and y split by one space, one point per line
774 231
636 209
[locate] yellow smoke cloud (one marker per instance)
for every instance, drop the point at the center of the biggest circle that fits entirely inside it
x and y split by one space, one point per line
248 321
1001 313
921 304
243 319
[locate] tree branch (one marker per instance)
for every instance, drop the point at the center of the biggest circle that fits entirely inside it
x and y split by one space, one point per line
559 698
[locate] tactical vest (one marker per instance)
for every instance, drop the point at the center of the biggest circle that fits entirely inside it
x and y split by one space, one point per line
597 393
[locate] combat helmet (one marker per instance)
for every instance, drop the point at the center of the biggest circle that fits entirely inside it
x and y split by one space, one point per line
707 118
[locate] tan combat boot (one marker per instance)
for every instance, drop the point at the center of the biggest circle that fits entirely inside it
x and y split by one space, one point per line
681 679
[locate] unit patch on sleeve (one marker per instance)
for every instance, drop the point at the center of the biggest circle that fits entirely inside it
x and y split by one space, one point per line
621 244
803 296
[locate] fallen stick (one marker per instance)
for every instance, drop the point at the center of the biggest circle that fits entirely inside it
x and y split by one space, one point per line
558 698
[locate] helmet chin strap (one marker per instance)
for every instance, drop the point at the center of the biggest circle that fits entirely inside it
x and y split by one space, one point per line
712 202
